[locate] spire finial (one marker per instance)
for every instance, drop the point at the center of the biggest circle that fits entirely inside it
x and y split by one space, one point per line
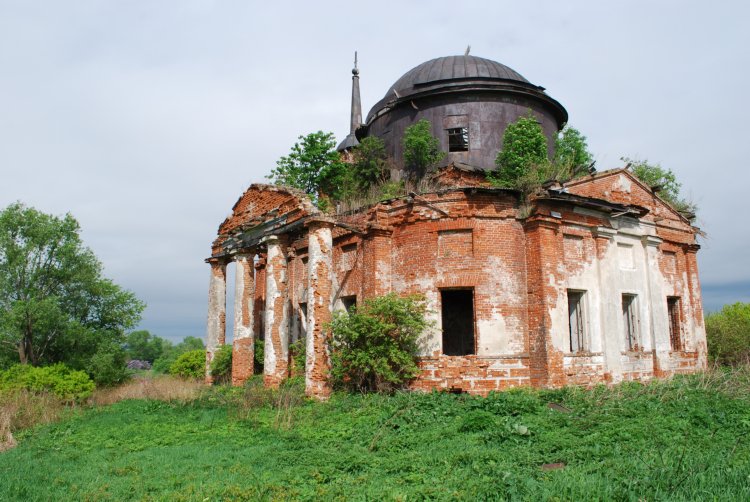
468 49
355 70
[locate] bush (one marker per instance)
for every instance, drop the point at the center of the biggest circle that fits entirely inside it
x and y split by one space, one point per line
58 379
221 365
190 365
107 366
728 334
375 347
170 353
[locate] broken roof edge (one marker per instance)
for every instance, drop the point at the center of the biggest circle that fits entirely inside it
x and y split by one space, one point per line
592 202
295 192
624 170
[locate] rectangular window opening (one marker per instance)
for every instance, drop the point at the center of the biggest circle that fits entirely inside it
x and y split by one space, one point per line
457 310
458 139
577 321
631 321
673 312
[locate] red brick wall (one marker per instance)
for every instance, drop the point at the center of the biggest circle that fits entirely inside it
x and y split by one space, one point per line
517 268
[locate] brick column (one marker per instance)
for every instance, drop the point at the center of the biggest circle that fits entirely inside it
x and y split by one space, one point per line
319 303
543 255
217 305
243 346
276 357
377 262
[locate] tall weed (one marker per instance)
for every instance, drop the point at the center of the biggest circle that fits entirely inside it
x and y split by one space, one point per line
22 409
160 388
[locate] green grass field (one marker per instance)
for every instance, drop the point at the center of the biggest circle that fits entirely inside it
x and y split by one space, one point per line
686 439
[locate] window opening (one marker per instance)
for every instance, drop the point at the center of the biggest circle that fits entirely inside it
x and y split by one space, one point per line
673 311
577 321
458 321
458 139
349 302
630 319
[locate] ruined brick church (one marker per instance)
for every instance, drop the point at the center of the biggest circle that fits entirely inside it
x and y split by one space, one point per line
595 280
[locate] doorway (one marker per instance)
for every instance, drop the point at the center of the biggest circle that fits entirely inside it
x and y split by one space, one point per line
458 321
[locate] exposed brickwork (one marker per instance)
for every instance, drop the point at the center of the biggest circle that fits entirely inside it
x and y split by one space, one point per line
276 360
243 347
261 204
320 291
471 374
453 176
243 357
520 271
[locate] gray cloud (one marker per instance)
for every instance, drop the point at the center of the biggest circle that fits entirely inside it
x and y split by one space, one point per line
146 120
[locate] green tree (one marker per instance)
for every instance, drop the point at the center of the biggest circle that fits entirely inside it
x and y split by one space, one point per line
654 175
571 150
524 149
55 306
313 165
370 166
421 149
144 346
376 345
728 334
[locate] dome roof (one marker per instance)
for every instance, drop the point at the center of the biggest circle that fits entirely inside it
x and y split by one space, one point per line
459 74
454 68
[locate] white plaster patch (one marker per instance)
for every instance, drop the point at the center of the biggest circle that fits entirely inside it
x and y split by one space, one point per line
624 183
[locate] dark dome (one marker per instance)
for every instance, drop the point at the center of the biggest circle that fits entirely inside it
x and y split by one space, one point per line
454 68
466 96
455 74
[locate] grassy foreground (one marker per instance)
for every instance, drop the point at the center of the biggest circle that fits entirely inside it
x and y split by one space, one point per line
684 439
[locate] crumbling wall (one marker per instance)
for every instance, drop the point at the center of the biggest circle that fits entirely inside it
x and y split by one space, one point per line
519 271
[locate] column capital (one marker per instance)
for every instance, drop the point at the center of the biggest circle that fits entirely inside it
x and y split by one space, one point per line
375 229
320 221
216 262
651 240
541 221
605 233
270 239
692 248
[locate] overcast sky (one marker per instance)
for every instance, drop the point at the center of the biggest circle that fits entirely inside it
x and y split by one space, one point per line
147 119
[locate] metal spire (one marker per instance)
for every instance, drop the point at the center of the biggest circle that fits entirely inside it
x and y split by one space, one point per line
356 115
356 119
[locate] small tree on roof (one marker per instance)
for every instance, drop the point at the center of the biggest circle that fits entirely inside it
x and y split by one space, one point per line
669 189
421 149
313 165
572 151
524 147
